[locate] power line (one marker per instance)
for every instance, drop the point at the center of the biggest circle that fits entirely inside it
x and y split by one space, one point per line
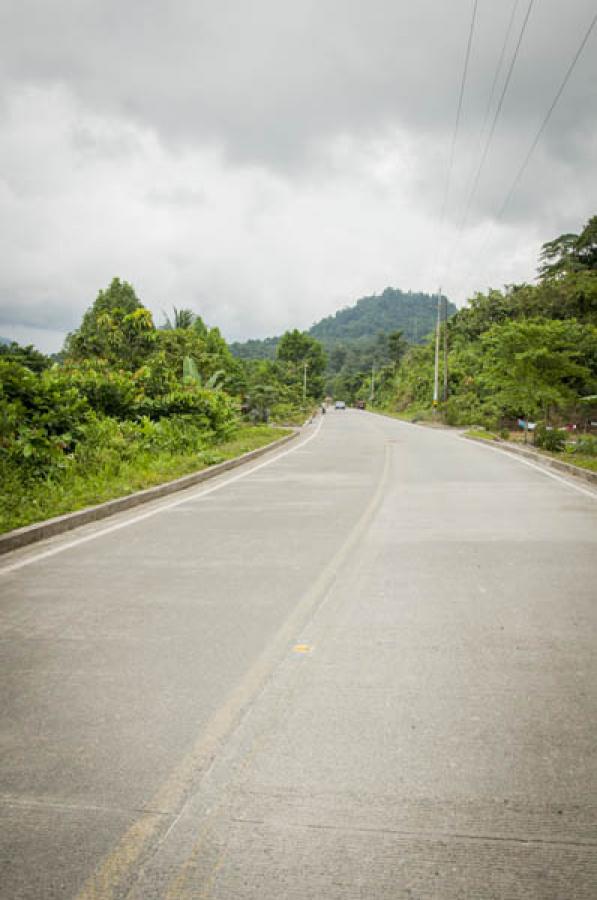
459 108
537 137
497 114
547 117
439 226
497 72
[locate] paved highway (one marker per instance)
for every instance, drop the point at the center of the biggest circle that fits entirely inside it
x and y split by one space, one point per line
363 667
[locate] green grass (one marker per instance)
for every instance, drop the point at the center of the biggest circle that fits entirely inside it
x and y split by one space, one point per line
75 491
482 434
412 414
582 460
294 417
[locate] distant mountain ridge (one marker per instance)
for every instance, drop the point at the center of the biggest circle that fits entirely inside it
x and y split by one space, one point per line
414 314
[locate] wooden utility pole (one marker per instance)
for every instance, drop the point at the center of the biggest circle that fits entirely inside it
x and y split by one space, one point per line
437 332
445 304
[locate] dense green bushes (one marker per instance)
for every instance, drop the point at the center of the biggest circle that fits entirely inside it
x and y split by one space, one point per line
549 439
586 444
130 404
116 458
529 351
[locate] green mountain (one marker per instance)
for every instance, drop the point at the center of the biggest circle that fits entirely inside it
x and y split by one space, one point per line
413 314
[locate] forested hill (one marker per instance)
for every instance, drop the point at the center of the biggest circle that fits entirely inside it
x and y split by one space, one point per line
411 313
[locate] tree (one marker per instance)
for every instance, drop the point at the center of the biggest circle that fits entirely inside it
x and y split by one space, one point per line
182 318
117 328
298 349
531 365
586 246
570 253
26 356
207 348
397 346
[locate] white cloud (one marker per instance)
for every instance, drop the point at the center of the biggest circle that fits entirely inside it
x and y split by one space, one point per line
265 169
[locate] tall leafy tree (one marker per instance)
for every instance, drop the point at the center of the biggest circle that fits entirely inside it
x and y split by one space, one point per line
117 327
299 349
570 253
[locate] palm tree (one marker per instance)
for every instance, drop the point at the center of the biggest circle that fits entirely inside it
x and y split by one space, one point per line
182 318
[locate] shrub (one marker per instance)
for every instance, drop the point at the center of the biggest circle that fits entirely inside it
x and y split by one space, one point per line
212 410
110 392
549 439
587 443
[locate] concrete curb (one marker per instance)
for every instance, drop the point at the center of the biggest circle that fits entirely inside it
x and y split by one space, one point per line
30 534
539 458
547 461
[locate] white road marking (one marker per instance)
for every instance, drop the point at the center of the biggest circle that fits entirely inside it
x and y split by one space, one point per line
544 470
196 495
514 456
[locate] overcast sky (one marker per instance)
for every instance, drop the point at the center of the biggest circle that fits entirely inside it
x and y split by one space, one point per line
265 162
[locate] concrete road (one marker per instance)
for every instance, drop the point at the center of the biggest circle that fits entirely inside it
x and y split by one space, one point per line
363 668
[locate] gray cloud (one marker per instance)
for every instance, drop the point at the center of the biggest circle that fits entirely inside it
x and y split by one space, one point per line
268 160
268 77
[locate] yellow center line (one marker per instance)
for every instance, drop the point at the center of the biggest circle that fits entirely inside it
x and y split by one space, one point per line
116 868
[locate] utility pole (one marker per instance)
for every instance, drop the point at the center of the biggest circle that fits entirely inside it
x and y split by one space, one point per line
436 371
305 364
445 304
372 392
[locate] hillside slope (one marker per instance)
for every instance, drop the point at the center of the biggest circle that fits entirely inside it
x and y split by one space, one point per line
394 310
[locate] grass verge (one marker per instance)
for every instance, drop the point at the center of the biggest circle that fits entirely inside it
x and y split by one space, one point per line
581 460
407 415
50 498
482 434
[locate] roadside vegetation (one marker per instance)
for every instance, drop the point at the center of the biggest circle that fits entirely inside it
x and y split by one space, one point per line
371 335
525 354
127 405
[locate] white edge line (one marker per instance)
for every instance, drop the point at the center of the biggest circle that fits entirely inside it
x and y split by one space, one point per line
543 469
196 495
513 456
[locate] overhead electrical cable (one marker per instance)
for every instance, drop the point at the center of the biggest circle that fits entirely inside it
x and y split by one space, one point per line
463 78
497 114
483 129
547 117
459 108
497 72
537 137
467 57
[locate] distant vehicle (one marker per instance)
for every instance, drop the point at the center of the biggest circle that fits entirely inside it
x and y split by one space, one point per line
340 404
360 404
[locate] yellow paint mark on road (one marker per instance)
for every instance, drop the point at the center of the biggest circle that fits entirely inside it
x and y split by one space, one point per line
107 882
302 648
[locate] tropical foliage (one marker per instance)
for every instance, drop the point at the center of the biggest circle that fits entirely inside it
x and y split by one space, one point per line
127 398
529 351
371 335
